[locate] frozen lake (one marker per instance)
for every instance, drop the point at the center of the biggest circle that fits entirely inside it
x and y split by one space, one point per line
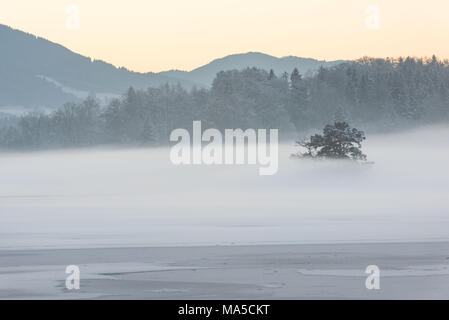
309 271
120 198
139 227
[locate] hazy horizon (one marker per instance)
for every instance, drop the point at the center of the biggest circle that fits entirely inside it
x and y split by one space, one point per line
144 36
125 196
235 54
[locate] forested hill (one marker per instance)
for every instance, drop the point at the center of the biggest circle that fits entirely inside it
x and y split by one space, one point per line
381 94
39 74
35 72
205 74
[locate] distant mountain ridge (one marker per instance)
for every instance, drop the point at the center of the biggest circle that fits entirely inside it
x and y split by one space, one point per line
37 73
205 74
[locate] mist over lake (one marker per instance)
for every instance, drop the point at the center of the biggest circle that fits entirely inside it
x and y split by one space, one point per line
137 197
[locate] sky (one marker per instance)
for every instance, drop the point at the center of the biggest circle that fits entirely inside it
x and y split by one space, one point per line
157 35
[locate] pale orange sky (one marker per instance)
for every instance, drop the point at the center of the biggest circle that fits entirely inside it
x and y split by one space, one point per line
156 35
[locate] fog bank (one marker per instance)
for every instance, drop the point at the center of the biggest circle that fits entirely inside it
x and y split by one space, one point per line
115 198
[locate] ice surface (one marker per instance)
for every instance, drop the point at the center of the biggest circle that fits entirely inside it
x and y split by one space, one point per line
307 271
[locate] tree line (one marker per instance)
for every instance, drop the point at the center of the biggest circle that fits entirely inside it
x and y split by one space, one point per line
375 94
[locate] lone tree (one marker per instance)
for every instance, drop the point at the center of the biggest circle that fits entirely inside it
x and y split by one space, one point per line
338 141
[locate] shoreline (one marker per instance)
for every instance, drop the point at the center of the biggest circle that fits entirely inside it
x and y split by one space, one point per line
229 244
